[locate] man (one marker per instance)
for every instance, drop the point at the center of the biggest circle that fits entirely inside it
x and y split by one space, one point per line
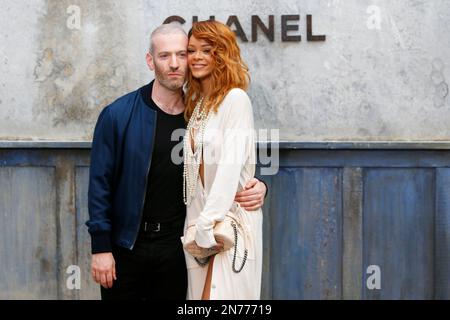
135 188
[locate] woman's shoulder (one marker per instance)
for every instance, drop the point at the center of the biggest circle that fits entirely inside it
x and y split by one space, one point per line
236 105
237 96
237 93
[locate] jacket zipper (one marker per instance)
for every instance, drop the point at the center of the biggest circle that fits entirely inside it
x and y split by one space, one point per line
146 180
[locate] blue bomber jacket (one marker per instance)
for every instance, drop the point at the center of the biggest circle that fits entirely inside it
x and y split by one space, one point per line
120 162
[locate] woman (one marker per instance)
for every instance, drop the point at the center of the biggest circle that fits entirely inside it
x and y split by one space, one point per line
220 158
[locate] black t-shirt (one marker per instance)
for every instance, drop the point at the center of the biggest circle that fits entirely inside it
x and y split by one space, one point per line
164 198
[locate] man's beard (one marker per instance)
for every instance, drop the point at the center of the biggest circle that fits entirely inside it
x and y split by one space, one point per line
167 83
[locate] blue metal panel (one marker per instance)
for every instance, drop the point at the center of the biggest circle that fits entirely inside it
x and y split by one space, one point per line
28 234
365 158
442 235
306 236
398 232
322 202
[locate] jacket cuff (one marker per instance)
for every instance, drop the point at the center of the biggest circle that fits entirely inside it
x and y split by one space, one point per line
101 242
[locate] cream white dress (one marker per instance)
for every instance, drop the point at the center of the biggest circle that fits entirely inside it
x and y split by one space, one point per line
229 159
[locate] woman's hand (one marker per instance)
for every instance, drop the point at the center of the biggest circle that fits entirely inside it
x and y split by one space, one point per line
252 198
219 247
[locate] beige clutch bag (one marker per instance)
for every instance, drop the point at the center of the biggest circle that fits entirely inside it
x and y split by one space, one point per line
226 232
223 232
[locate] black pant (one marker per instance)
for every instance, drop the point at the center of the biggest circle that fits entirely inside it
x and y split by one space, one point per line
154 270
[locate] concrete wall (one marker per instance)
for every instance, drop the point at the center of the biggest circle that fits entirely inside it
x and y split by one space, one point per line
372 79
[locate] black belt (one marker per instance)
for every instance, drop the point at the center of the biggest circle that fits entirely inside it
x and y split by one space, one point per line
161 226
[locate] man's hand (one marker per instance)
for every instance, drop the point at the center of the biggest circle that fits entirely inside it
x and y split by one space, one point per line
252 198
104 269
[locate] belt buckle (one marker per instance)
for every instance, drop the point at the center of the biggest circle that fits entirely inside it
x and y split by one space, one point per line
148 227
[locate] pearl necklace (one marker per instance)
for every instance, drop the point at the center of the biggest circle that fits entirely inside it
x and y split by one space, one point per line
192 159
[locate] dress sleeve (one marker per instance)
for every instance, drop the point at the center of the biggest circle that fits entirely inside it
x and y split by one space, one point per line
236 139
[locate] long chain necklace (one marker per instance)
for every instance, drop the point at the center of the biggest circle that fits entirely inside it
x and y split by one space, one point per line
192 159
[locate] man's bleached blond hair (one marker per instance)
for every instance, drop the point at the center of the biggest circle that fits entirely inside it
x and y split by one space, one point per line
165 29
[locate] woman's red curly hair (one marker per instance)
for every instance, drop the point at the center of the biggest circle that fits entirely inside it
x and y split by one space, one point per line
229 71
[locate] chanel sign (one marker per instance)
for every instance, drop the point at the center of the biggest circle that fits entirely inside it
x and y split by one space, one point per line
289 23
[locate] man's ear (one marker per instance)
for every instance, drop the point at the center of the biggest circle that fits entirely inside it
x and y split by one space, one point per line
150 61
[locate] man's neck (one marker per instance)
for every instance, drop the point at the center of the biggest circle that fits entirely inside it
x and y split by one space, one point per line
170 101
